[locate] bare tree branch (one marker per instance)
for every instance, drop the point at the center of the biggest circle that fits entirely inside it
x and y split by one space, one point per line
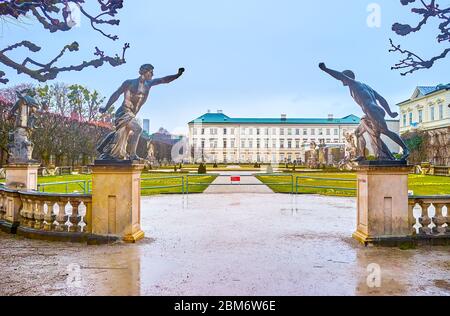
47 71
54 16
45 11
427 10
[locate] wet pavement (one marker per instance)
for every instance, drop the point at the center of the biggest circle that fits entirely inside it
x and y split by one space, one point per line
227 244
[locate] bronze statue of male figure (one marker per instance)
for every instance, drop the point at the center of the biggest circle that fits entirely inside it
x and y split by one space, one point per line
373 122
122 143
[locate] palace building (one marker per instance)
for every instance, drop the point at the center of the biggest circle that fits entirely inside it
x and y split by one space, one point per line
216 137
427 115
427 109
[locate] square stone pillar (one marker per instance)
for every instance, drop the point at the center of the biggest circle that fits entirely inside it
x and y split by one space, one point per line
116 200
22 176
382 204
12 205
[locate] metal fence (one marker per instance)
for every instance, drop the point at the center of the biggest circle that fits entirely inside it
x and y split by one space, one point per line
84 185
187 182
298 183
158 187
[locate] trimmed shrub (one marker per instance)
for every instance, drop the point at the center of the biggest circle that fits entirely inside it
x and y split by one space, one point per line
202 169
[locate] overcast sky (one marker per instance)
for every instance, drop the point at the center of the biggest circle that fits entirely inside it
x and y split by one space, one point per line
249 58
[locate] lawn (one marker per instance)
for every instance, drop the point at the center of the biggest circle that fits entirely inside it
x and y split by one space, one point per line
419 184
271 181
174 181
429 185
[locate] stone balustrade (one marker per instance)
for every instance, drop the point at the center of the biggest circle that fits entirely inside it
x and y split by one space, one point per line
59 213
429 217
48 216
2 203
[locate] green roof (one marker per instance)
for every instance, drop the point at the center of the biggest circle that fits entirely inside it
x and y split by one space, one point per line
422 91
219 118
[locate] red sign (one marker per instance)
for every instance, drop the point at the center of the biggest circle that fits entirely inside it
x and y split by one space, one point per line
235 179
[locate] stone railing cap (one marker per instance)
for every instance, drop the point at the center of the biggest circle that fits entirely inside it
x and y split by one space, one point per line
45 194
431 197
55 195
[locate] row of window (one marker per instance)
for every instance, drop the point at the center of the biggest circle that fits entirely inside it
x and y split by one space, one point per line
281 143
269 131
258 157
408 119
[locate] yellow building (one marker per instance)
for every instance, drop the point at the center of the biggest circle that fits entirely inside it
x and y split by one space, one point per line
427 109
427 113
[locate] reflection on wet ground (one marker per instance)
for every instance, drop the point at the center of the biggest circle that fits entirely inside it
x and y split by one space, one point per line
227 244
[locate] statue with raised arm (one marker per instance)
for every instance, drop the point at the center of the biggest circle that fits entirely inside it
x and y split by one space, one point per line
373 123
20 147
122 143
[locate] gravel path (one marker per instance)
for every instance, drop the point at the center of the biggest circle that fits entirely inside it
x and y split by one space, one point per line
247 184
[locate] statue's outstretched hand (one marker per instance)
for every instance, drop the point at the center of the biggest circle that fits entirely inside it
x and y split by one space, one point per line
394 115
322 66
181 71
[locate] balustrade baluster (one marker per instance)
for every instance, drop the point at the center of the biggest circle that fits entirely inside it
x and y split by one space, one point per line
439 220
39 215
49 217
2 206
87 218
75 218
23 212
30 213
412 220
447 218
62 217
425 220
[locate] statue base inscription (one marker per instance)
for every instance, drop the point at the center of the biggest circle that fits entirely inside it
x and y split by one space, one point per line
382 203
116 199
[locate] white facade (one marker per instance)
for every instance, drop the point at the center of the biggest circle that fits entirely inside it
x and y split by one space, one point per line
427 109
264 141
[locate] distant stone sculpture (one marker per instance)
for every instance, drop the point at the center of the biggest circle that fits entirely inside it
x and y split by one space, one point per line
323 159
351 152
122 143
20 147
373 123
313 161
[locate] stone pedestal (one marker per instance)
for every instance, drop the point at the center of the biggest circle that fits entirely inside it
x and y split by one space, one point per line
22 176
382 204
116 200
12 205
